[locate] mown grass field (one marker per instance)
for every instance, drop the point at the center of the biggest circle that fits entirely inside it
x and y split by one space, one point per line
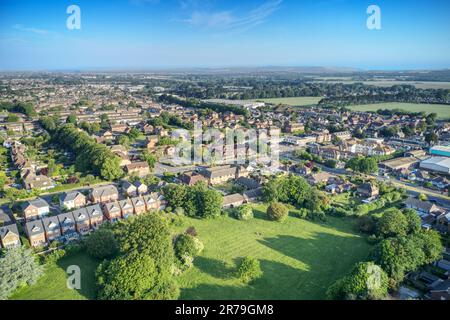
443 111
295 102
52 285
299 259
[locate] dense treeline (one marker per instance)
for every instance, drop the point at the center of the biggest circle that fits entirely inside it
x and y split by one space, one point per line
25 108
337 94
91 157
194 103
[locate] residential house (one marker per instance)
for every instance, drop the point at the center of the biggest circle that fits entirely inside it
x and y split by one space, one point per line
421 206
320 177
155 201
141 187
82 221
35 209
233 201
368 190
104 194
72 200
127 208
112 211
253 195
139 205
192 177
151 142
52 228
9 236
39 182
218 175
36 233
129 189
139 169
67 222
95 214
441 292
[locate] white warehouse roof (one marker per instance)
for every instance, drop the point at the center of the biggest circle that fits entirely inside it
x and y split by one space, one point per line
438 164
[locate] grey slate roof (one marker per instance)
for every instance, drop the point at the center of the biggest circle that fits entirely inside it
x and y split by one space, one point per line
94 211
80 215
66 219
104 191
7 229
70 196
38 203
34 227
50 223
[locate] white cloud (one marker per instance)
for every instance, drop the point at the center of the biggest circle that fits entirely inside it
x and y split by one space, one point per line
37 31
229 20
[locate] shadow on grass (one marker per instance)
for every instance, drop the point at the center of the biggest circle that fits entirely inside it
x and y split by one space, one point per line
320 260
216 268
87 267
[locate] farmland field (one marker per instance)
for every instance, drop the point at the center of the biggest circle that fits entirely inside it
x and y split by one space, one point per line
390 83
443 111
295 102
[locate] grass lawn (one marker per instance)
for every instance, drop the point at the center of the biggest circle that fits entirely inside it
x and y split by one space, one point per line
295 102
443 111
299 259
52 285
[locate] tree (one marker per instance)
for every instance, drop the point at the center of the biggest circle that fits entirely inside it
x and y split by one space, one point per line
187 247
330 163
414 221
134 276
110 169
72 119
431 138
3 179
400 255
249 270
244 212
18 266
367 281
363 165
143 268
149 158
11 118
393 223
423 197
102 244
277 212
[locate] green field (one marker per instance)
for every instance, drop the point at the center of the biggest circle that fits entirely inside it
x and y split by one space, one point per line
52 286
299 260
443 111
295 102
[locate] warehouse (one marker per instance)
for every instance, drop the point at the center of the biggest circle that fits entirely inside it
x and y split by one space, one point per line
442 151
437 164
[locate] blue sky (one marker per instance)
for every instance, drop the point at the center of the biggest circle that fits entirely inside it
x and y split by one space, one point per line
136 34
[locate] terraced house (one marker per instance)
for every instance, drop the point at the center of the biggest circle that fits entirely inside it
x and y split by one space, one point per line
35 209
104 194
112 211
52 228
95 214
9 236
36 233
72 200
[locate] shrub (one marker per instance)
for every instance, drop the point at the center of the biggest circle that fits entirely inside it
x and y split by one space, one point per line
101 244
277 212
316 216
185 245
244 213
191 231
249 270
55 256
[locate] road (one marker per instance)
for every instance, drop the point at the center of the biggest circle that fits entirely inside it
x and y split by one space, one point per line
411 189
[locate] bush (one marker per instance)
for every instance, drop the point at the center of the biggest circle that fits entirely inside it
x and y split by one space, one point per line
244 213
316 216
55 255
277 212
101 244
249 270
191 231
